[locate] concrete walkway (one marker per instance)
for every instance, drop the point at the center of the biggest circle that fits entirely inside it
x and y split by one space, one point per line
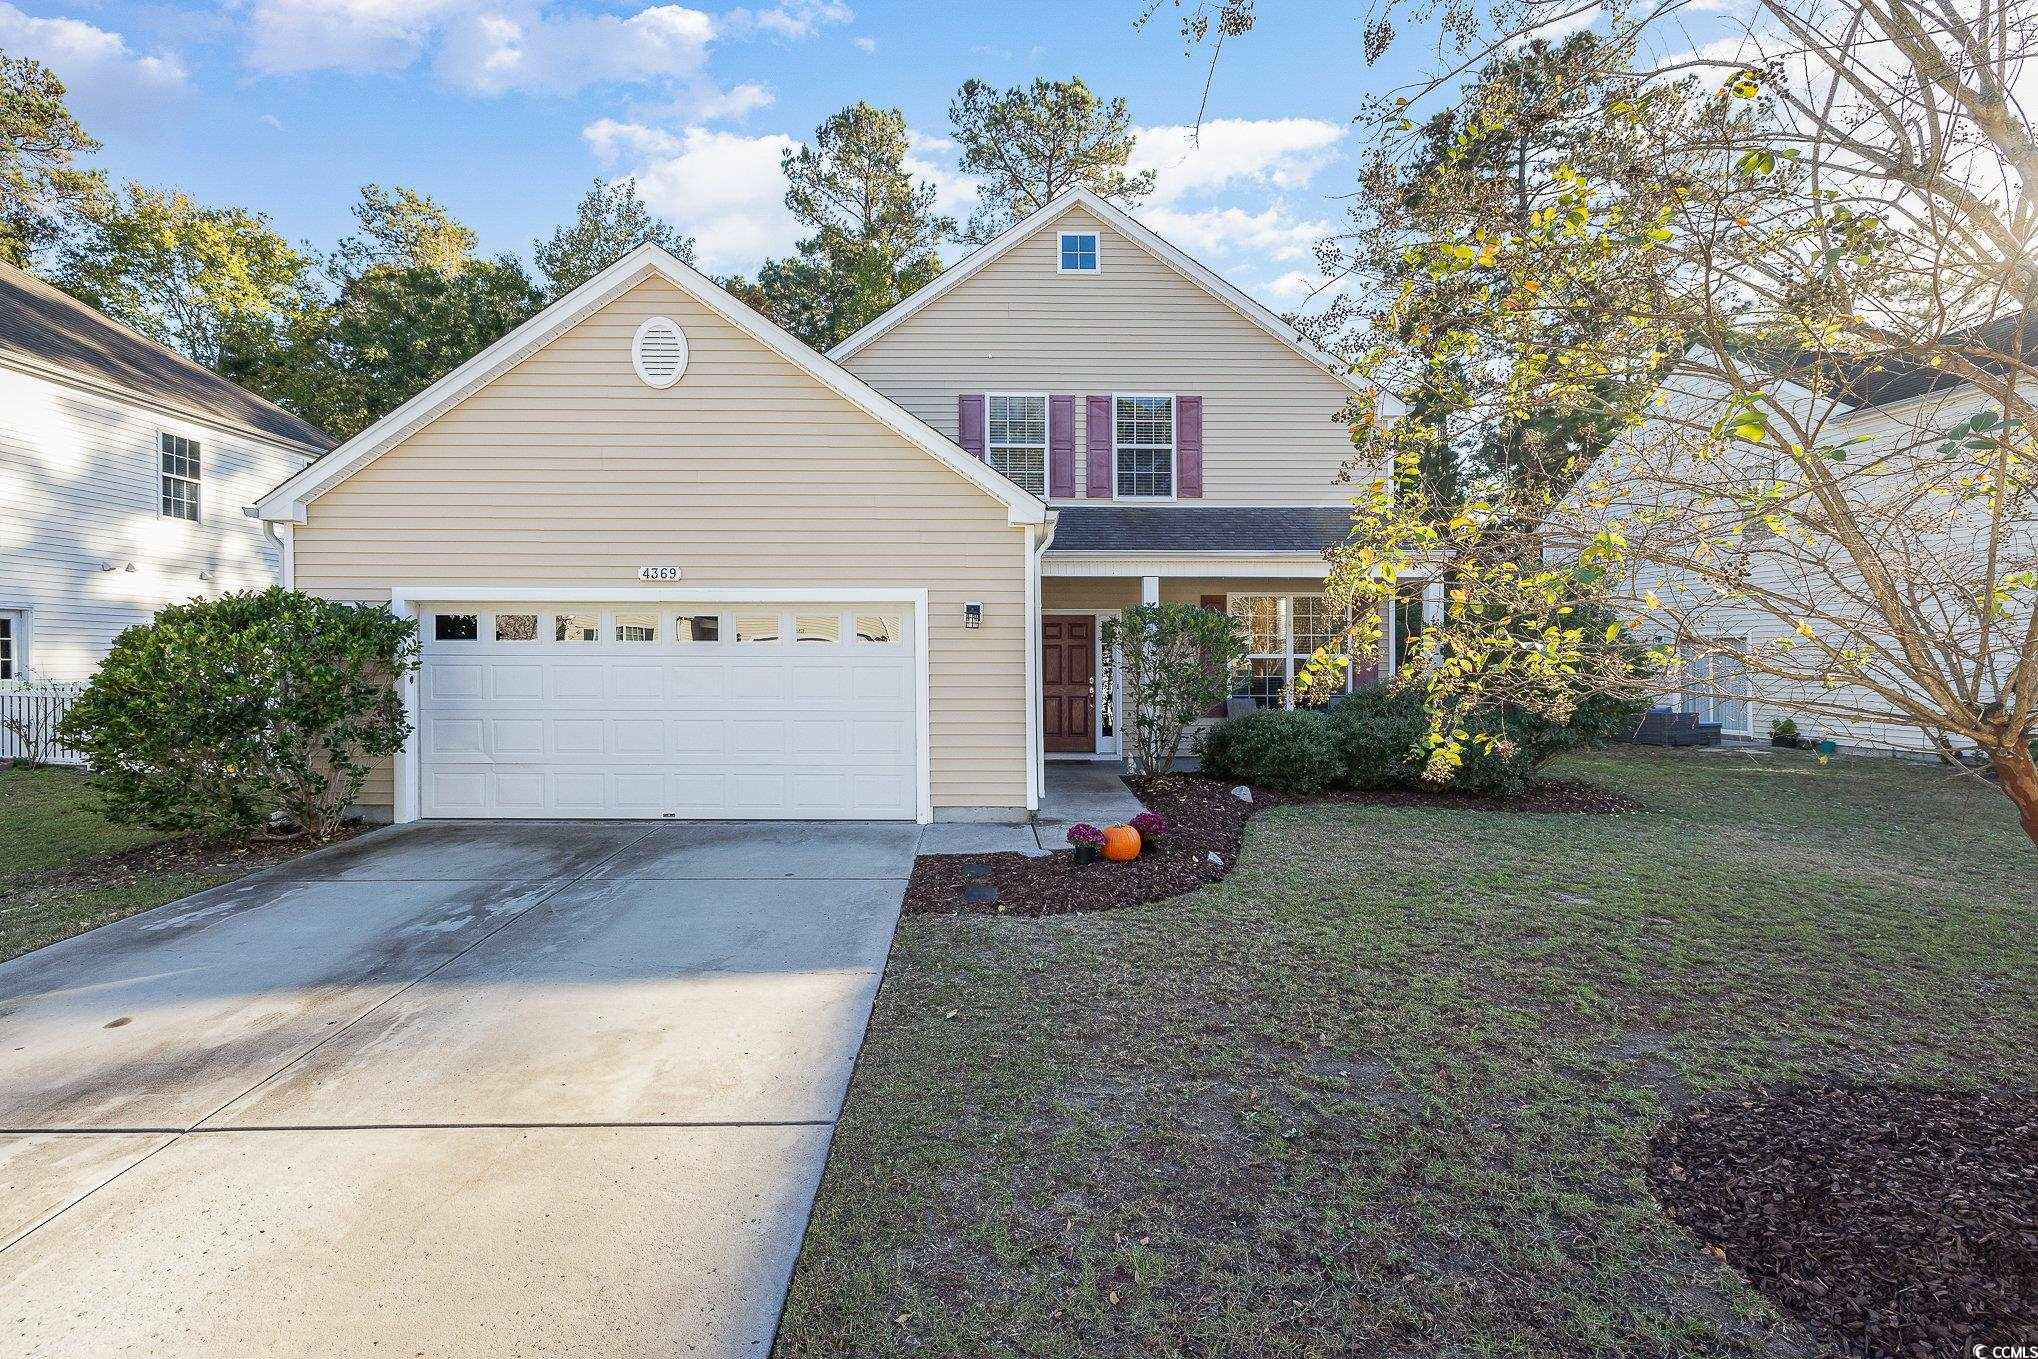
1076 790
455 1089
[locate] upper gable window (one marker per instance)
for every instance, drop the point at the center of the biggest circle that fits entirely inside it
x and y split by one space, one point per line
179 498
1079 252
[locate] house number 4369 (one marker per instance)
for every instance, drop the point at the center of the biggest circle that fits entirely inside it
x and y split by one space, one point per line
657 573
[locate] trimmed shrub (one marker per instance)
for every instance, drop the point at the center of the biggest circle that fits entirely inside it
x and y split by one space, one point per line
220 715
1291 752
1378 733
1532 741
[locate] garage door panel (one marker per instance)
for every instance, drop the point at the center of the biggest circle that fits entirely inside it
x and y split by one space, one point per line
540 727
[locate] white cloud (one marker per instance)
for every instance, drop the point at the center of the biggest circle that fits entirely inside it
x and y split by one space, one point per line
109 83
865 44
724 189
790 19
493 47
1281 153
932 159
271 120
483 47
1274 235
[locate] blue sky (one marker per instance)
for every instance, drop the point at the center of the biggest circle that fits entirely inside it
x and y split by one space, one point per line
505 109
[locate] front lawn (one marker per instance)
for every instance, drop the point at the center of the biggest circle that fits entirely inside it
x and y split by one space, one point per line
1389 1087
64 868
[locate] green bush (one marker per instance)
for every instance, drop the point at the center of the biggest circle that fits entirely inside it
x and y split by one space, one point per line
220 715
1378 733
1528 741
1288 751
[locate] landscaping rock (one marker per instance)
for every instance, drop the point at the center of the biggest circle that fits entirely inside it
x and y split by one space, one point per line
1242 793
979 894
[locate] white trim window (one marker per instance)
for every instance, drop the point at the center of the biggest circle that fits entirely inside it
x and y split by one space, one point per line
179 467
1281 633
1143 447
1077 253
10 646
1015 438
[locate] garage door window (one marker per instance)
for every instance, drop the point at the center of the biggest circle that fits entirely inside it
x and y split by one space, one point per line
880 628
455 627
698 627
756 627
636 627
817 627
516 627
576 627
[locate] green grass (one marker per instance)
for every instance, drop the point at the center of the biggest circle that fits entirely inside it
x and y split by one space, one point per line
1388 1088
51 837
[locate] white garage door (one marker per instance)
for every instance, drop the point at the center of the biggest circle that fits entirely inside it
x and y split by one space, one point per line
621 710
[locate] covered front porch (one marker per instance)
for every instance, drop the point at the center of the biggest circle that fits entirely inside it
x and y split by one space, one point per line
1280 606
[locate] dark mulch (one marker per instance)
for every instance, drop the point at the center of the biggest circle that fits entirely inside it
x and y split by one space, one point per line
1203 819
1904 1219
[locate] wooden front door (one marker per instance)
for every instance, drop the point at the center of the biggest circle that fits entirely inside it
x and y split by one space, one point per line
1068 682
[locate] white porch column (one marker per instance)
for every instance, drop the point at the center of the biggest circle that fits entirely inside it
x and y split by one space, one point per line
1149 589
1432 602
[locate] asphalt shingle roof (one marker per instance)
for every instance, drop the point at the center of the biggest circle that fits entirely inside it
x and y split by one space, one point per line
48 328
1203 528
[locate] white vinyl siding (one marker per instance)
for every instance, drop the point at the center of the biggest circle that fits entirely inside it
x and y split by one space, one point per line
567 471
1270 436
84 543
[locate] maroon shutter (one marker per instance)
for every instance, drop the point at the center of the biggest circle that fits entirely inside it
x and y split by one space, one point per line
969 423
1061 446
1221 603
1097 445
1189 447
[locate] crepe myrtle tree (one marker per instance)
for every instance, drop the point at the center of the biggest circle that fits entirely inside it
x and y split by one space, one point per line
1177 660
223 716
1822 199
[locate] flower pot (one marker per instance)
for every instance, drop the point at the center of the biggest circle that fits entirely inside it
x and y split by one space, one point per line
1087 854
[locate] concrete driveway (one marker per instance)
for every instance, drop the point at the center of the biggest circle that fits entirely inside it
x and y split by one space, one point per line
451 1089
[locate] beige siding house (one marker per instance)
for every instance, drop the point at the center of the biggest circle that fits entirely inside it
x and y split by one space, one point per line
668 562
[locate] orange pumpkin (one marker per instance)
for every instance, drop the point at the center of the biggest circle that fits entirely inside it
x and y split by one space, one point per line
1121 843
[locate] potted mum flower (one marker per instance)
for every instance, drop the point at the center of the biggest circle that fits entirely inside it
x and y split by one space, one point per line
1087 841
1152 827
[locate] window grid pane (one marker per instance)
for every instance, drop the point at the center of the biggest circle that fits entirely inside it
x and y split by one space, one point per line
516 627
636 627
179 465
1079 251
1016 440
699 627
576 627
1145 433
876 627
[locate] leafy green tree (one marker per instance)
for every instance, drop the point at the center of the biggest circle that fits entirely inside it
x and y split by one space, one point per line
1847 204
1026 145
1177 661
222 715
400 305
875 232
42 192
610 222
183 274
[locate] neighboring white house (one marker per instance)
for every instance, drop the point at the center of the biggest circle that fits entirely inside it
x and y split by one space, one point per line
1889 410
124 472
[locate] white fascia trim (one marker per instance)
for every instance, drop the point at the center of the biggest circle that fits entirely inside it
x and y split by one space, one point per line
404 601
1035 748
288 500
1140 235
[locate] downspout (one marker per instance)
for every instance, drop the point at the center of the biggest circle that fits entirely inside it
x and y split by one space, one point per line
1038 540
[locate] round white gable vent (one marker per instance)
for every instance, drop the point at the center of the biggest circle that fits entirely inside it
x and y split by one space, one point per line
659 351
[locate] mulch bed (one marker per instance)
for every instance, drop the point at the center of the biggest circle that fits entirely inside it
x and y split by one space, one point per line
1904 1219
1203 819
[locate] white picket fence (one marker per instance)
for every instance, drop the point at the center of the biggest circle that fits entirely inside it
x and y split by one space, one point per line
29 713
